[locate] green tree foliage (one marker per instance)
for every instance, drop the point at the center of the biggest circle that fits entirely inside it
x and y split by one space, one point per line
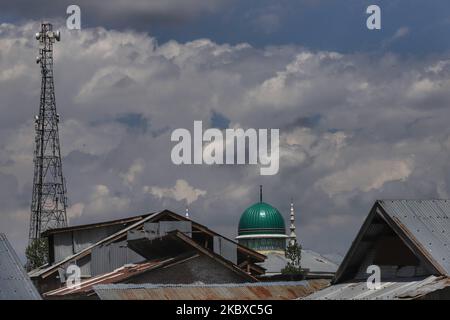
293 255
37 253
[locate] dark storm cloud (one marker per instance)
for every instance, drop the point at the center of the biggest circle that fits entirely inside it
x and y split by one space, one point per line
408 26
139 14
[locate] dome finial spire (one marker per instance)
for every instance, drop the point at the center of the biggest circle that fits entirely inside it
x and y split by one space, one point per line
260 193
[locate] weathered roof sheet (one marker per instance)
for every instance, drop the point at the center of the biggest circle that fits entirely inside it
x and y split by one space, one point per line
96 225
396 290
14 281
427 223
244 291
115 276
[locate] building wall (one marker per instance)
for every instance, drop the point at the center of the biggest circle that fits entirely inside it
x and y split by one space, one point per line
200 269
71 242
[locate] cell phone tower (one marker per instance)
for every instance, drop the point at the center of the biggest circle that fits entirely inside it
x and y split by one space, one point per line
49 202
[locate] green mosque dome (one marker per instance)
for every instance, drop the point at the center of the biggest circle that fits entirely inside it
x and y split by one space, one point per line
262 228
261 218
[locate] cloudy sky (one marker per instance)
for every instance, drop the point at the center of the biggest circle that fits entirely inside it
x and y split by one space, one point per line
362 114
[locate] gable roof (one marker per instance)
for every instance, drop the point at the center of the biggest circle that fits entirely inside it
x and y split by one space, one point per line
127 272
422 225
45 272
14 281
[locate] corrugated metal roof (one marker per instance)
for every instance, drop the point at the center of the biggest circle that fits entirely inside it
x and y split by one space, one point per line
422 225
395 290
427 223
243 291
14 281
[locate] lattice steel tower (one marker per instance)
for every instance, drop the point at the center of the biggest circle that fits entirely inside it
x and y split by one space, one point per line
48 205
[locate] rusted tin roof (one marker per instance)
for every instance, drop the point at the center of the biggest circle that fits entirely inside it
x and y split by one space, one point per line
407 289
120 274
244 291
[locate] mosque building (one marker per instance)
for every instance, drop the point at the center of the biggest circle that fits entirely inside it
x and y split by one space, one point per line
262 228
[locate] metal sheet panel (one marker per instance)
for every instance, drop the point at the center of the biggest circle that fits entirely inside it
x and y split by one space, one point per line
151 229
83 239
14 281
225 248
110 257
62 245
428 222
182 226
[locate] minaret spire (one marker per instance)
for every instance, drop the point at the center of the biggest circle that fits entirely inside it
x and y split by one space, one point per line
292 236
260 193
187 212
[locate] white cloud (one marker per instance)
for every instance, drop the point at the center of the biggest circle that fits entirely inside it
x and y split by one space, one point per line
103 202
135 169
181 191
302 144
75 211
366 176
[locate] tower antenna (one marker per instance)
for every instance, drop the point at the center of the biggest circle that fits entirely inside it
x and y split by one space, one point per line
49 202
